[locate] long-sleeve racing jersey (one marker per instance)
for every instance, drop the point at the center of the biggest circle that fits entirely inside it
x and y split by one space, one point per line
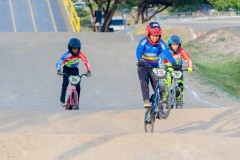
153 55
71 61
181 54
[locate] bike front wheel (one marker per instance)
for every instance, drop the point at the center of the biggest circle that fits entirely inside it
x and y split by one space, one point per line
149 120
164 105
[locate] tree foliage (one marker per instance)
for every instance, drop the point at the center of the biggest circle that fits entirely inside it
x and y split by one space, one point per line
158 5
109 7
224 5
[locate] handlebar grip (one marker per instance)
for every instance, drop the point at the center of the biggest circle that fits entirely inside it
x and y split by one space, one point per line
186 70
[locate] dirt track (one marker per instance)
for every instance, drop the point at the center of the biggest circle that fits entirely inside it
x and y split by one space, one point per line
109 124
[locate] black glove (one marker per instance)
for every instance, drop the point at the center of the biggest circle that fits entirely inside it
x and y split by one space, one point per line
140 63
89 74
59 72
175 66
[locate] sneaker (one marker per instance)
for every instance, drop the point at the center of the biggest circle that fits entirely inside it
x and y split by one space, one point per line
63 104
147 104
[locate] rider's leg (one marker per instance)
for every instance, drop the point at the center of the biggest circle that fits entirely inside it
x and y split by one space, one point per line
181 85
168 82
152 79
144 82
64 84
78 88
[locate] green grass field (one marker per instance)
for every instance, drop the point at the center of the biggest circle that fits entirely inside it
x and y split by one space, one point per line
223 74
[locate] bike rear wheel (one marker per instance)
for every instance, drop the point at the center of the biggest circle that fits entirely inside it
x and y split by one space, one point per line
75 101
179 98
149 120
163 105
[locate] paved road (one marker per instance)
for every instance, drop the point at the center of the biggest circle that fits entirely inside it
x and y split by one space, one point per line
31 16
204 23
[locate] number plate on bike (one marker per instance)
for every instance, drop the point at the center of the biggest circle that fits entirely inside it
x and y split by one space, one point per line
74 80
159 72
176 74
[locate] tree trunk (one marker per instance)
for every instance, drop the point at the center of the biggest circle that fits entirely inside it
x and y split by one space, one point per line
108 7
141 7
156 12
109 14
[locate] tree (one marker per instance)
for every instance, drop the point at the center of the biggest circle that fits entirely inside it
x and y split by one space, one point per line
224 5
158 5
108 7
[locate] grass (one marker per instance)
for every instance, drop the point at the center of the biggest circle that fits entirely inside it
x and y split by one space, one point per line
223 74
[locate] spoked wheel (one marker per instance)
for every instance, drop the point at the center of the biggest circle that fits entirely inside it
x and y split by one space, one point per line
75 101
163 106
179 98
149 120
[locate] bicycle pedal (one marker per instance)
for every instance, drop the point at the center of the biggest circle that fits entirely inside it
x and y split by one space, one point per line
147 107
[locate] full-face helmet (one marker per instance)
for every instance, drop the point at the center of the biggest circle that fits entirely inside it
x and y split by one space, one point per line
74 43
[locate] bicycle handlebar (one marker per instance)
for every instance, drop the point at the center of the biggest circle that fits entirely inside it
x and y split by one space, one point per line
149 66
186 70
79 76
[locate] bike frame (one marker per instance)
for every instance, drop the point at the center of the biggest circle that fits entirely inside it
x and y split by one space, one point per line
155 97
73 89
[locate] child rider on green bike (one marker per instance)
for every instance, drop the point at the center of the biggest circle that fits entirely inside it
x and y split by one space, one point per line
179 54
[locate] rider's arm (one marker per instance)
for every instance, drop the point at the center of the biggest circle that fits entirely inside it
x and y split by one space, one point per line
167 53
140 48
186 57
61 60
85 61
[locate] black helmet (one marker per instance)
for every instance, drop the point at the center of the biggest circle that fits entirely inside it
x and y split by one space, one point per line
74 43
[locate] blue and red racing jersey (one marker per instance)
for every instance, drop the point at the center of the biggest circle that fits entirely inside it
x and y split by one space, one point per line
153 55
71 61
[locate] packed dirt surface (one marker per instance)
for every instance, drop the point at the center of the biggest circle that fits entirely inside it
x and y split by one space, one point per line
109 124
225 41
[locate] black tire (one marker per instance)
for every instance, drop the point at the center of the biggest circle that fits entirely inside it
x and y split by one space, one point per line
179 104
149 120
75 101
163 105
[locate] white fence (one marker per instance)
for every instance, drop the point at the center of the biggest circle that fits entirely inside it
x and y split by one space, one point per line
197 14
